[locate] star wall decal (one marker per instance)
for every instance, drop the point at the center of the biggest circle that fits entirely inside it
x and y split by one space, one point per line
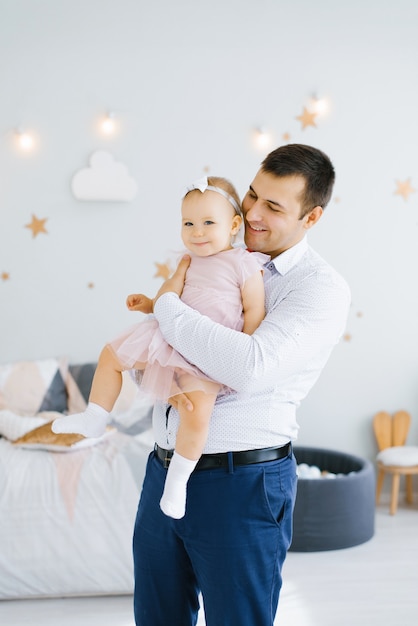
286 137
163 270
404 188
90 285
5 276
307 118
37 225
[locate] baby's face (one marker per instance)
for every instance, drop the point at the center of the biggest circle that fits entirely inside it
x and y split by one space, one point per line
208 223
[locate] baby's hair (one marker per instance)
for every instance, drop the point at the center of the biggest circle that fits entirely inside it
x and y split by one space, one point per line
226 185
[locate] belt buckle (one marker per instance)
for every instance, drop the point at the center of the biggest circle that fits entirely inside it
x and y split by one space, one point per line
165 460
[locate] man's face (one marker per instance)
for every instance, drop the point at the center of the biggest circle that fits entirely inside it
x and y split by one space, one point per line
272 209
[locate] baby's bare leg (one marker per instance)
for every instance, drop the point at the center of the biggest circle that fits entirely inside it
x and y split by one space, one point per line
190 442
194 425
107 380
105 389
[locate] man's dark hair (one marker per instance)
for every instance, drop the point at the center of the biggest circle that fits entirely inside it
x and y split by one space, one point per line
312 164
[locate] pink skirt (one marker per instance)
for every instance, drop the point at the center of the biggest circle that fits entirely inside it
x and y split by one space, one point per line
165 372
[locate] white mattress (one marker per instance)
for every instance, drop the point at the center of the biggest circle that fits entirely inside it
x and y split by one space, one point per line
66 519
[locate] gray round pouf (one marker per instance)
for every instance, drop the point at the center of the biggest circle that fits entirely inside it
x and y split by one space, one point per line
331 514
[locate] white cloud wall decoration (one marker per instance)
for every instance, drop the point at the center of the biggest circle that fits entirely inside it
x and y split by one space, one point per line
104 180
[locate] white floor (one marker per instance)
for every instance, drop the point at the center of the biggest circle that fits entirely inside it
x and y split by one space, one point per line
368 585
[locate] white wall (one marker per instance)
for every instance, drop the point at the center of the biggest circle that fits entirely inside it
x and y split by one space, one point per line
189 81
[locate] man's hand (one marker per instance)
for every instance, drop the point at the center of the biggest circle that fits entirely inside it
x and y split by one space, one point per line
139 302
179 399
175 283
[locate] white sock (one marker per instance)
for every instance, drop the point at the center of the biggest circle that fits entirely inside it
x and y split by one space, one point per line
91 423
173 501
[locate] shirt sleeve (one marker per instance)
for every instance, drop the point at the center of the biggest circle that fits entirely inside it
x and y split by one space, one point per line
299 330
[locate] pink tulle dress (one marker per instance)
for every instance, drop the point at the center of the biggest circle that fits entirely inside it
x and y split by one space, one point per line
213 287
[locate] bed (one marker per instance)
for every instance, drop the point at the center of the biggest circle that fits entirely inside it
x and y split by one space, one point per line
67 504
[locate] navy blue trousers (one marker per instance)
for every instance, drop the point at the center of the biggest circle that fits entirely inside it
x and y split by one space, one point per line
230 546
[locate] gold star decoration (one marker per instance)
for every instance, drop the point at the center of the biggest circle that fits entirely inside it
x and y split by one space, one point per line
206 169
286 137
307 118
347 337
37 226
404 188
90 285
5 276
163 270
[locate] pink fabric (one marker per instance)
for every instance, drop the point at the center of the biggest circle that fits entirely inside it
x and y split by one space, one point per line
213 287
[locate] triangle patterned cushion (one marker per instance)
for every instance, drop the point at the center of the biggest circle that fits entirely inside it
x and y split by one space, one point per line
29 387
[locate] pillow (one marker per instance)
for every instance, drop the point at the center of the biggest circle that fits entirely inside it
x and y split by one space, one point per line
29 387
42 438
132 411
13 426
78 382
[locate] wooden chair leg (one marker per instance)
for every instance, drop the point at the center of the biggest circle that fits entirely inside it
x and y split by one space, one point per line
409 489
380 479
395 493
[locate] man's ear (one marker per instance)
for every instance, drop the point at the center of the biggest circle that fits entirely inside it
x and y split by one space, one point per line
313 216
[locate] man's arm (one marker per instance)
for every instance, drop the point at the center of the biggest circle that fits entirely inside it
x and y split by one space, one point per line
293 332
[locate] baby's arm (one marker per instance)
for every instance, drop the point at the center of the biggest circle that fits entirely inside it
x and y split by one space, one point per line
139 302
252 294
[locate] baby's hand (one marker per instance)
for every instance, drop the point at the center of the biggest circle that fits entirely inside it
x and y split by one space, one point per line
139 302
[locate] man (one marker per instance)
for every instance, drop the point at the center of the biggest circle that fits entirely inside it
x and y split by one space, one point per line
232 542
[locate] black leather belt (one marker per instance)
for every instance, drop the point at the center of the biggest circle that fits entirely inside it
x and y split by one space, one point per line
221 459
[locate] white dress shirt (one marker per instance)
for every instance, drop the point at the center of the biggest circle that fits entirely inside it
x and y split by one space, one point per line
271 371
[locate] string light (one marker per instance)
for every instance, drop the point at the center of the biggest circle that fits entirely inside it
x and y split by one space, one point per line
24 140
262 138
320 106
108 124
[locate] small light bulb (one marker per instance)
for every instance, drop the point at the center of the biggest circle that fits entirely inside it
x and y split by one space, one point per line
25 141
262 139
320 106
109 124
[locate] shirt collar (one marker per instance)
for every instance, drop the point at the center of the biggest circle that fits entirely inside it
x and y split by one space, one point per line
287 259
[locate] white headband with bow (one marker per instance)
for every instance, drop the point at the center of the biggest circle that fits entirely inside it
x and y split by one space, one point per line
202 185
